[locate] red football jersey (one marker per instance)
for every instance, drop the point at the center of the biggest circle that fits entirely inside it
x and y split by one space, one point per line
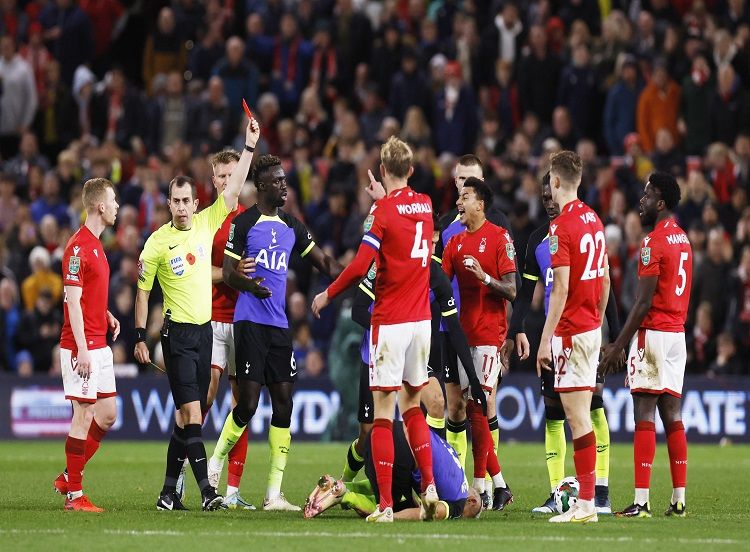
576 239
400 229
85 265
483 315
223 297
667 254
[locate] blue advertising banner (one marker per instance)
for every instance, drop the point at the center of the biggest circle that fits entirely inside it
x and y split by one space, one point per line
713 409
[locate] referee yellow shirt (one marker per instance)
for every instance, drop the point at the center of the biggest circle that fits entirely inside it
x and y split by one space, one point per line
181 259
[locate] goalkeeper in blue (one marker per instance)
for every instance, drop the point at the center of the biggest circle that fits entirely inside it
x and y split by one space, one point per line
457 500
538 269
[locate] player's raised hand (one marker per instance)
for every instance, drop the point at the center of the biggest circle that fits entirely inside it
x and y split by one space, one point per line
477 393
114 325
252 132
522 344
611 360
319 303
247 266
374 188
544 357
141 353
473 266
83 363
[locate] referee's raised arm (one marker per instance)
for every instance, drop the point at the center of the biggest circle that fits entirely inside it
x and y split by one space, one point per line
239 174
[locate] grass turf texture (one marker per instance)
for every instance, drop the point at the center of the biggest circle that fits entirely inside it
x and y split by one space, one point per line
125 477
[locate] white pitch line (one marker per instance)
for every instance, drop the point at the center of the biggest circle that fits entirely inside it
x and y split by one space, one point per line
353 535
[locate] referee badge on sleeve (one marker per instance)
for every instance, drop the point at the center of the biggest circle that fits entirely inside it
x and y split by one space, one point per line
553 244
74 265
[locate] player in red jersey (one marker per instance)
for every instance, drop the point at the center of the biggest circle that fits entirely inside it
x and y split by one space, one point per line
483 260
86 360
572 332
656 325
398 233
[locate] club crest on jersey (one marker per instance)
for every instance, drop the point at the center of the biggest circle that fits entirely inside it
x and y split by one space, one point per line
74 265
510 250
231 232
567 351
645 255
368 222
483 245
641 353
178 266
553 244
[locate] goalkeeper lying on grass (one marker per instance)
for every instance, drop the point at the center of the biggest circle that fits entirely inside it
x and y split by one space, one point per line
457 500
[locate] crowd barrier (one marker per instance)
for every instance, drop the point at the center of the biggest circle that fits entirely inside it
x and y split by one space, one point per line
34 408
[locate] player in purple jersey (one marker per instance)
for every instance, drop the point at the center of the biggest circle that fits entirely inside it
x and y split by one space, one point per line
457 500
263 342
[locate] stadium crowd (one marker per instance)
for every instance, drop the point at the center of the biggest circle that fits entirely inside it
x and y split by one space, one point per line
141 91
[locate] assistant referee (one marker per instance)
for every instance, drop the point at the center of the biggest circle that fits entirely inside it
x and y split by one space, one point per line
179 254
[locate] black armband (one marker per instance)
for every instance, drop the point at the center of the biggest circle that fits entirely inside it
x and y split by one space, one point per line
140 335
251 149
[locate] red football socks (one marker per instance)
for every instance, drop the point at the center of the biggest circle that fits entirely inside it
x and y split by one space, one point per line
93 439
584 458
481 439
75 458
677 447
418 433
381 439
237 457
644 448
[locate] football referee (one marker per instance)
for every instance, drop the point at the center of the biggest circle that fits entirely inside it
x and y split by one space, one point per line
179 254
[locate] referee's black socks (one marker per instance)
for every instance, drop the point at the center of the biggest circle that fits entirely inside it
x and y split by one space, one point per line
196 452
175 459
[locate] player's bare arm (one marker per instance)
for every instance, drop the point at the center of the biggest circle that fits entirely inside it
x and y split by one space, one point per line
505 287
351 274
141 318
557 299
326 264
217 274
73 297
239 174
613 355
114 325
236 277
604 298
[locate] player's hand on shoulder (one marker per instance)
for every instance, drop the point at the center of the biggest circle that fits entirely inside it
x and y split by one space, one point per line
319 303
83 363
611 359
544 357
473 266
141 353
522 344
374 188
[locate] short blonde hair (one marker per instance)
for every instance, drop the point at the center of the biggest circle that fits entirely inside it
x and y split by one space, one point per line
567 165
224 157
396 157
93 192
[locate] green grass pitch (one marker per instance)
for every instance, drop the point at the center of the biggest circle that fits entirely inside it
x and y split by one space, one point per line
125 477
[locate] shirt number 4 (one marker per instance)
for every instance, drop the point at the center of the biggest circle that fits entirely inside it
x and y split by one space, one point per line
420 250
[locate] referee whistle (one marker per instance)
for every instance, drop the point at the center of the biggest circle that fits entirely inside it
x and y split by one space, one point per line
247 110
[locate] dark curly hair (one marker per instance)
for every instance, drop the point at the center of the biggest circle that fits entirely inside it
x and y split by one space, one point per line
669 190
262 165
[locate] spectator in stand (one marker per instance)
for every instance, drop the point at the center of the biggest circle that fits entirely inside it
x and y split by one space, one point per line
39 331
240 78
739 308
658 106
502 39
562 128
211 124
28 157
10 317
35 53
56 121
694 122
720 171
9 202
290 67
701 342
621 104
207 53
325 65
117 111
18 101
538 76
502 98
13 22
454 114
168 116
727 361
386 57
50 202
165 49
104 16
353 39
710 281
409 88
727 54
42 278
729 109
666 157
371 117
83 91
579 92
69 36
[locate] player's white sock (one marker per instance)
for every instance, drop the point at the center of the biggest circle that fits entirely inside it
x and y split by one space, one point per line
678 495
72 495
602 481
497 481
214 464
231 490
479 484
641 496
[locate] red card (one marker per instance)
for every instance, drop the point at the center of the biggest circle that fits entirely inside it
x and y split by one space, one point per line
247 109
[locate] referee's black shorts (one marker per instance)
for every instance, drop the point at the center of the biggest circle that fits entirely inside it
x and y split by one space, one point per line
187 356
